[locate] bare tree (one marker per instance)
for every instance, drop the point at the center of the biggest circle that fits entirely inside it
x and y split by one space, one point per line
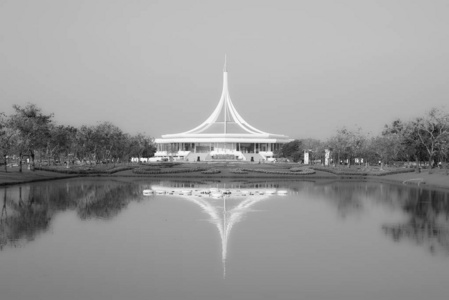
433 132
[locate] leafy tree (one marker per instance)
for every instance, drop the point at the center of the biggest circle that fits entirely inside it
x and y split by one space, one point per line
349 144
86 145
141 146
7 139
292 150
383 148
108 138
33 130
61 141
316 148
357 145
341 144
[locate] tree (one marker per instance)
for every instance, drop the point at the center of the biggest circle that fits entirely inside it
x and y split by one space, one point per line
316 148
292 150
7 139
413 148
356 145
61 141
433 132
86 147
141 146
108 138
33 130
383 148
341 144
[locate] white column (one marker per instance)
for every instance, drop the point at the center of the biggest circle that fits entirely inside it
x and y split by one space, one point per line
326 156
306 157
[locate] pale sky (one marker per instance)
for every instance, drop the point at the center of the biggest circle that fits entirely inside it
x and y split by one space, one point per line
300 68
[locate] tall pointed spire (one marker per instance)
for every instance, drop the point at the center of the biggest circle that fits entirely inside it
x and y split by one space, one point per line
224 67
225 121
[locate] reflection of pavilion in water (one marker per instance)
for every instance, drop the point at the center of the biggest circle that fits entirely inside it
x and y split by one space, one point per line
225 206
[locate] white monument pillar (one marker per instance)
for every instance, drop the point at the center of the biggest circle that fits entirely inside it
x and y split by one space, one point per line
327 155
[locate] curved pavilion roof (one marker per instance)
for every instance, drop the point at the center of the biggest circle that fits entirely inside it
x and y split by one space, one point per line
224 125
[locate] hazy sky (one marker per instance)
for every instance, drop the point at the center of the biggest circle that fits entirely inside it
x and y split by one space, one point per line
300 68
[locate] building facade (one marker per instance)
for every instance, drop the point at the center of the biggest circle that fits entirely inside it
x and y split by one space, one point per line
224 135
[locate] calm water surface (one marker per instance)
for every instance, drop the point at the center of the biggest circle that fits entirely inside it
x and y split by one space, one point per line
103 239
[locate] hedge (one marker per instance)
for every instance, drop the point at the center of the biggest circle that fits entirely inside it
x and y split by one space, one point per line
211 171
303 172
85 171
147 172
352 173
238 171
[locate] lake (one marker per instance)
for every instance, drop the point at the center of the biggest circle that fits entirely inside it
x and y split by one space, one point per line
102 238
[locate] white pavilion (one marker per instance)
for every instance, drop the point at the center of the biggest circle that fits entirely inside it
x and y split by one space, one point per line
224 135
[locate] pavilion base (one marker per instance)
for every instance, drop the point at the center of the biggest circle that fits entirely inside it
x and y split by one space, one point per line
214 156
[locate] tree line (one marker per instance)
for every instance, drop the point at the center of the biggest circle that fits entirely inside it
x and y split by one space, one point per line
30 133
423 139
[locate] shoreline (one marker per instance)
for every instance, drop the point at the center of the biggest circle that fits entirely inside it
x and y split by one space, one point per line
434 180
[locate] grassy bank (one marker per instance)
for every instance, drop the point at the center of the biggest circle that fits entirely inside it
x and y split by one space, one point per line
436 177
13 176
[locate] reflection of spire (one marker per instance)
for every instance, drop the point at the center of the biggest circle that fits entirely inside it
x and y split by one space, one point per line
230 218
224 247
227 218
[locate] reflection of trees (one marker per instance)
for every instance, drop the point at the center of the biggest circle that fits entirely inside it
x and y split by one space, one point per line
28 210
107 201
22 219
427 210
428 222
345 196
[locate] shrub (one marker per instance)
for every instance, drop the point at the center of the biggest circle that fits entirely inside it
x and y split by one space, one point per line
337 171
362 173
304 172
211 171
298 169
238 171
150 169
395 172
172 171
